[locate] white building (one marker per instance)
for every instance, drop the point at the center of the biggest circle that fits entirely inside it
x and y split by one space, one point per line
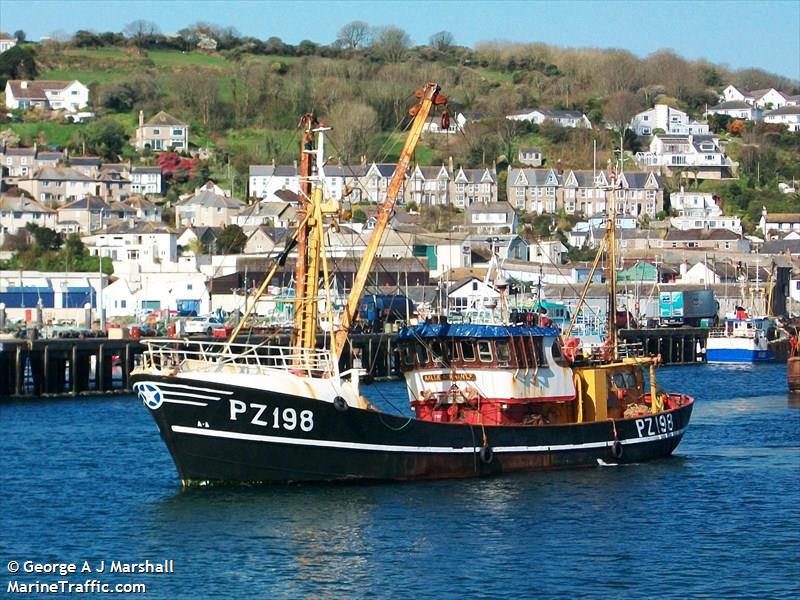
697 210
669 120
7 42
787 115
700 154
140 292
145 180
766 98
52 95
17 211
131 240
564 118
737 109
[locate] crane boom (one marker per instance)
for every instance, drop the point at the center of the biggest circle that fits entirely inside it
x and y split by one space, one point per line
429 96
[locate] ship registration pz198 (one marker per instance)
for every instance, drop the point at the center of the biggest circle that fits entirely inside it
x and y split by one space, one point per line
279 419
650 426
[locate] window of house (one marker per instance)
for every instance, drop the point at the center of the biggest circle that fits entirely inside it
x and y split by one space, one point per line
156 131
178 131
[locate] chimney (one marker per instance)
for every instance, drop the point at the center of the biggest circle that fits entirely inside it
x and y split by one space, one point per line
450 164
23 84
141 118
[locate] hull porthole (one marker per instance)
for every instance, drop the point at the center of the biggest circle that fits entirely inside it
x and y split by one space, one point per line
340 404
616 449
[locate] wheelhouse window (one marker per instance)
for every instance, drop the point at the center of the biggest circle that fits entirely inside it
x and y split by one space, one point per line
422 353
485 351
407 353
467 351
503 352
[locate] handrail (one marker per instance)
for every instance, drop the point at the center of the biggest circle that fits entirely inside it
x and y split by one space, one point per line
188 355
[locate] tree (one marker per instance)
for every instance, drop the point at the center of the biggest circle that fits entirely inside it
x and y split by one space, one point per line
442 41
17 63
620 108
390 43
44 238
140 30
105 137
20 36
232 240
353 127
126 94
355 34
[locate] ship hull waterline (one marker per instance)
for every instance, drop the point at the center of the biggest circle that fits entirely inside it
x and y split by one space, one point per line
218 433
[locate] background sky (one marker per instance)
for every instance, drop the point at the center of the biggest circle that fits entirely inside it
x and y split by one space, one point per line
733 33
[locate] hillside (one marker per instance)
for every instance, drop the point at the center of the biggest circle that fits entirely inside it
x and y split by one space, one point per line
244 100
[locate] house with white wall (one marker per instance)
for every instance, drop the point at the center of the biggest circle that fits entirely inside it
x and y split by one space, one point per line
787 115
768 98
778 223
146 180
668 119
7 42
207 207
133 240
18 211
701 155
698 210
736 109
564 118
50 95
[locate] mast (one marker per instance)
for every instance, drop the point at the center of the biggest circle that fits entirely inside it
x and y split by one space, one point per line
611 230
429 96
307 123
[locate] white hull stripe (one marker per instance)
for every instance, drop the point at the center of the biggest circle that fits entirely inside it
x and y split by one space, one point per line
170 401
192 388
420 449
172 393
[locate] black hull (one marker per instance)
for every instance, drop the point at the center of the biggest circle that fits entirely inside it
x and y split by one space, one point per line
223 433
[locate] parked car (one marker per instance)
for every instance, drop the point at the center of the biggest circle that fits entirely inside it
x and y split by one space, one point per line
204 325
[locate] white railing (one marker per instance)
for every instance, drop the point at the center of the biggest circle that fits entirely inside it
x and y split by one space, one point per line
183 355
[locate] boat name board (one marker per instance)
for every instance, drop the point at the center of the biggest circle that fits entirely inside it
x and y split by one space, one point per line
657 425
279 419
449 377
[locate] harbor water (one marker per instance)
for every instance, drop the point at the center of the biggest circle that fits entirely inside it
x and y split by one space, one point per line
88 479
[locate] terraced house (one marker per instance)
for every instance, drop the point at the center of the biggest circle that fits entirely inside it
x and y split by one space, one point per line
548 191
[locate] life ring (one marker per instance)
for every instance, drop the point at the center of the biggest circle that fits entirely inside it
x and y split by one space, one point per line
486 454
340 404
616 449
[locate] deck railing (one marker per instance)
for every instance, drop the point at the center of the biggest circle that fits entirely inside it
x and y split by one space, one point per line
182 355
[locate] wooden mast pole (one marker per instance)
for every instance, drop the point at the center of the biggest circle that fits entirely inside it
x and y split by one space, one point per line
429 96
307 123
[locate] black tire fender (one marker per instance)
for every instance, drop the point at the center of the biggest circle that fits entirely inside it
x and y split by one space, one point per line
340 404
617 449
486 455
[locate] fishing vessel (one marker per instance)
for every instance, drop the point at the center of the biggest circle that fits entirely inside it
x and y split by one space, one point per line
743 339
489 396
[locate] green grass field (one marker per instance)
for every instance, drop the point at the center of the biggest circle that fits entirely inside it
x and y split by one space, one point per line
49 132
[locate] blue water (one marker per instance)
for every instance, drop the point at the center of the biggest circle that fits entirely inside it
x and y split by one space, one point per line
89 479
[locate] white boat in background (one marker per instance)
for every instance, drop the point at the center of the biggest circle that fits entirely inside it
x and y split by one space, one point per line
745 340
